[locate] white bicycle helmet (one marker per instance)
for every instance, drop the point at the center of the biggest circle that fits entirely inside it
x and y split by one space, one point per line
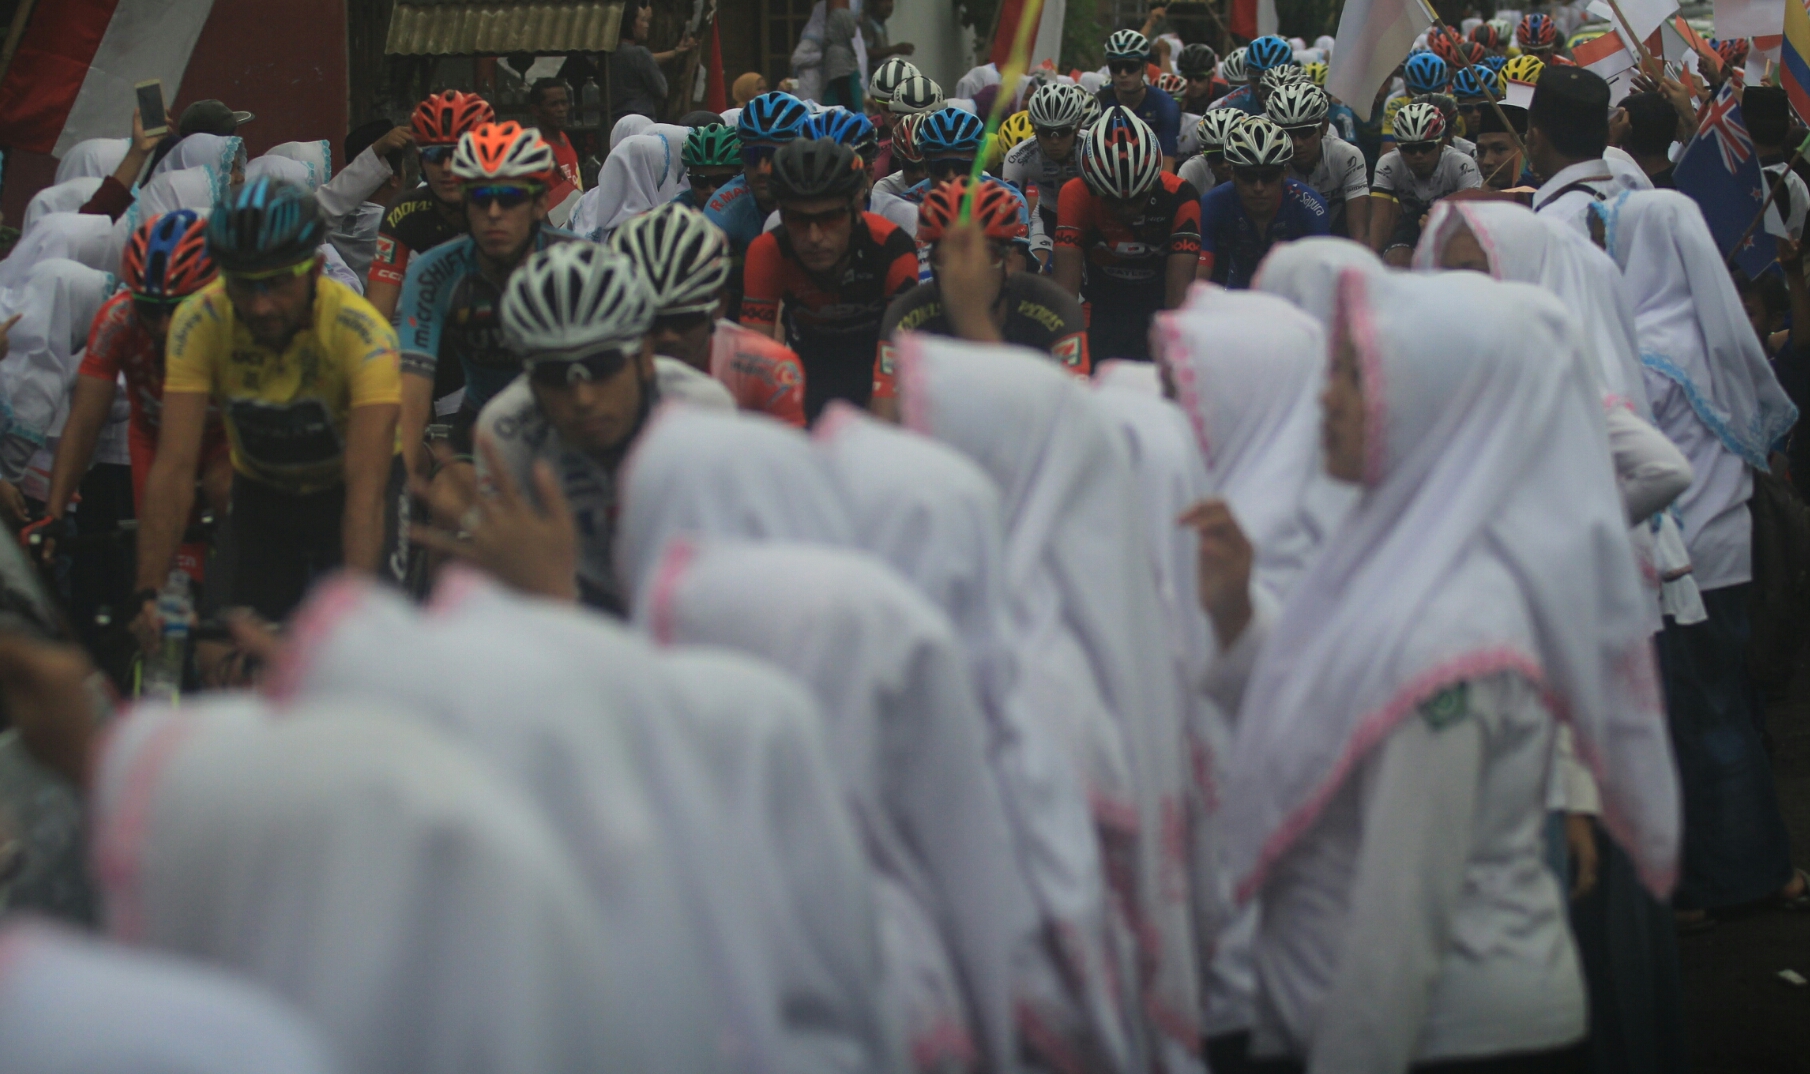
1419 122
1215 126
1256 143
1121 157
1090 113
681 254
917 93
1127 45
502 151
1298 104
1232 68
887 77
1281 75
1057 105
573 299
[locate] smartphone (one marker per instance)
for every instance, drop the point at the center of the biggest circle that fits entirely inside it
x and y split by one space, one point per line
150 107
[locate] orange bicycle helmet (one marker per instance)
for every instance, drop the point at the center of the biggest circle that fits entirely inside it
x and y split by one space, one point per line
166 257
443 117
503 151
996 210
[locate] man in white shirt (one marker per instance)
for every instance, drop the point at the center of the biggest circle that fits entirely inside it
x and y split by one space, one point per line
1567 131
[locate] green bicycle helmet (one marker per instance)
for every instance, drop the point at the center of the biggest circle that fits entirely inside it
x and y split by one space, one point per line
715 146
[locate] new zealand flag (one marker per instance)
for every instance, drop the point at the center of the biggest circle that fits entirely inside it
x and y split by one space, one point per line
1720 170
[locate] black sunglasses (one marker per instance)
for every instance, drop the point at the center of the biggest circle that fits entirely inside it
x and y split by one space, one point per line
1267 173
570 372
509 197
681 322
1417 148
436 154
1053 132
151 306
944 169
1125 67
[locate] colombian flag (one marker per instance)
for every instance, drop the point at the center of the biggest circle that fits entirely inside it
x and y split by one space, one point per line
1794 57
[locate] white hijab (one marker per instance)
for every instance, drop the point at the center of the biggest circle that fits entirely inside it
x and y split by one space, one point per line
376 875
1079 578
935 517
316 157
67 196
627 127
1525 247
977 79
1306 271
663 805
1248 369
81 237
199 188
1490 538
280 169
1691 325
58 303
642 173
719 473
69 1002
908 736
219 152
92 158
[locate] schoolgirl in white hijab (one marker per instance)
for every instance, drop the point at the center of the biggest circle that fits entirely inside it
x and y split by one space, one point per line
313 853
935 517
223 153
92 158
1306 271
642 173
58 303
627 127
65 197
80 237
1082 598
69 1002
302 176
908 735
1388 773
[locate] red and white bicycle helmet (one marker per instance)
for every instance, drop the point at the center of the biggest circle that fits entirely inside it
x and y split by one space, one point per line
1121 157
503 151
1419 122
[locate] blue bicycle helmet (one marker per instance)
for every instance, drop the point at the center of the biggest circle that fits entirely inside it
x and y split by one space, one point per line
1476 83
843 127
270 225
1266 52
950 132
1425 73
1495 63
771 117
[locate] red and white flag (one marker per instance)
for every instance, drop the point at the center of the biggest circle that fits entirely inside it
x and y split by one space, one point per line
1605 55
78 60
1374 36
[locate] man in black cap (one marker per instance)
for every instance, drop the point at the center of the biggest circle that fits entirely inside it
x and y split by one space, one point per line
1498 158
1567 131
1645 129
211 117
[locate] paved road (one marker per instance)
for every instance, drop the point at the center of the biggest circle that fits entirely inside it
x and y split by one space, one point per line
1742 1018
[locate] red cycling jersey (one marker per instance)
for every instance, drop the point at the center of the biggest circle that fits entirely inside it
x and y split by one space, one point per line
761 373
118 344
1125 257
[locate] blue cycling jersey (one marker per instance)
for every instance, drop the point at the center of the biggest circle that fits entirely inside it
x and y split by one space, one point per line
1244 98
734 209
1158 110
1229 234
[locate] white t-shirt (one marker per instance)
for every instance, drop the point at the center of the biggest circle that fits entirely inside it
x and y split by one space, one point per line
1453 173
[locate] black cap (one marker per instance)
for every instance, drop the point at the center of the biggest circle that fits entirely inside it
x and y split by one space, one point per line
1490 123
1569 95
1767 113
211 117
1652 124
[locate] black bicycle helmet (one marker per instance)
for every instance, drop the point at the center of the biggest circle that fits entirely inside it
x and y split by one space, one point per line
1196 60
269 225
808 168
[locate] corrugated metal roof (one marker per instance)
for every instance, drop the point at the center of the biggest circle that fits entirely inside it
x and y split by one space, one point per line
461 28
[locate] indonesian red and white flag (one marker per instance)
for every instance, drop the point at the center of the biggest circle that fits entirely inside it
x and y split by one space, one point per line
1374 36
78 60
1605 55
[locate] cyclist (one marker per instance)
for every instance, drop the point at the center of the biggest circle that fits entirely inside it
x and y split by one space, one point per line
904 153
880 87
950 139
844 127
712 156
1015 129
1420 170
1423 73
165 262
1538 36
1133 231
1261 206
832 266
741 206
915 95
1489 35
684 258
986 301
433 212
1473 88
577 317
1127 53
304 373
1333 167
449 301
1208 168
1199 66
1259 57
1040 165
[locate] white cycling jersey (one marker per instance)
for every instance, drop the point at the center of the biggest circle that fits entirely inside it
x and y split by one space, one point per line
1027 168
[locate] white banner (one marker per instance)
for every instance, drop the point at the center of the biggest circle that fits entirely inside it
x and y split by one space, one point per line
1374 36
1749 18
145 39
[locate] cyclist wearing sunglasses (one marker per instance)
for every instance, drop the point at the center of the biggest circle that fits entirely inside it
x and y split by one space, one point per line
1261 206
449 303
1259 57
832 266
578 316
1044 162
1333 167
1127 55
1127 236
432 213
1200 67
304 372
165 262
712 156
950 138
741 206
1420 170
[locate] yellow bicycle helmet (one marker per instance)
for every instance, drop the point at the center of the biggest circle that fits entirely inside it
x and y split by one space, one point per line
1015 129
1315 72
1524 69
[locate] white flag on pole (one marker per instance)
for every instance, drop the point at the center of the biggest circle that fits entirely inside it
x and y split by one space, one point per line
1749 18
1374 36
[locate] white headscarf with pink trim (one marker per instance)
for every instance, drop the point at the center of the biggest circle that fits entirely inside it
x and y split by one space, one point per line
1306 271
1490 538
1083 600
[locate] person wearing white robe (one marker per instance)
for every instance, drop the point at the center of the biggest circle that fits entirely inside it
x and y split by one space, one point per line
92 158
644 172
67 196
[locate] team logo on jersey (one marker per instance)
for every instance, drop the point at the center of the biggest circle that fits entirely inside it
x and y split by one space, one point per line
386 249
888 353
1068 351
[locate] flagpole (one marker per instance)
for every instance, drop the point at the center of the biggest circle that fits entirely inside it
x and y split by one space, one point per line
1488 93
1772 193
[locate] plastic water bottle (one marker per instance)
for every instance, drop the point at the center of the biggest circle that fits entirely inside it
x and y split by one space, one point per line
162 680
